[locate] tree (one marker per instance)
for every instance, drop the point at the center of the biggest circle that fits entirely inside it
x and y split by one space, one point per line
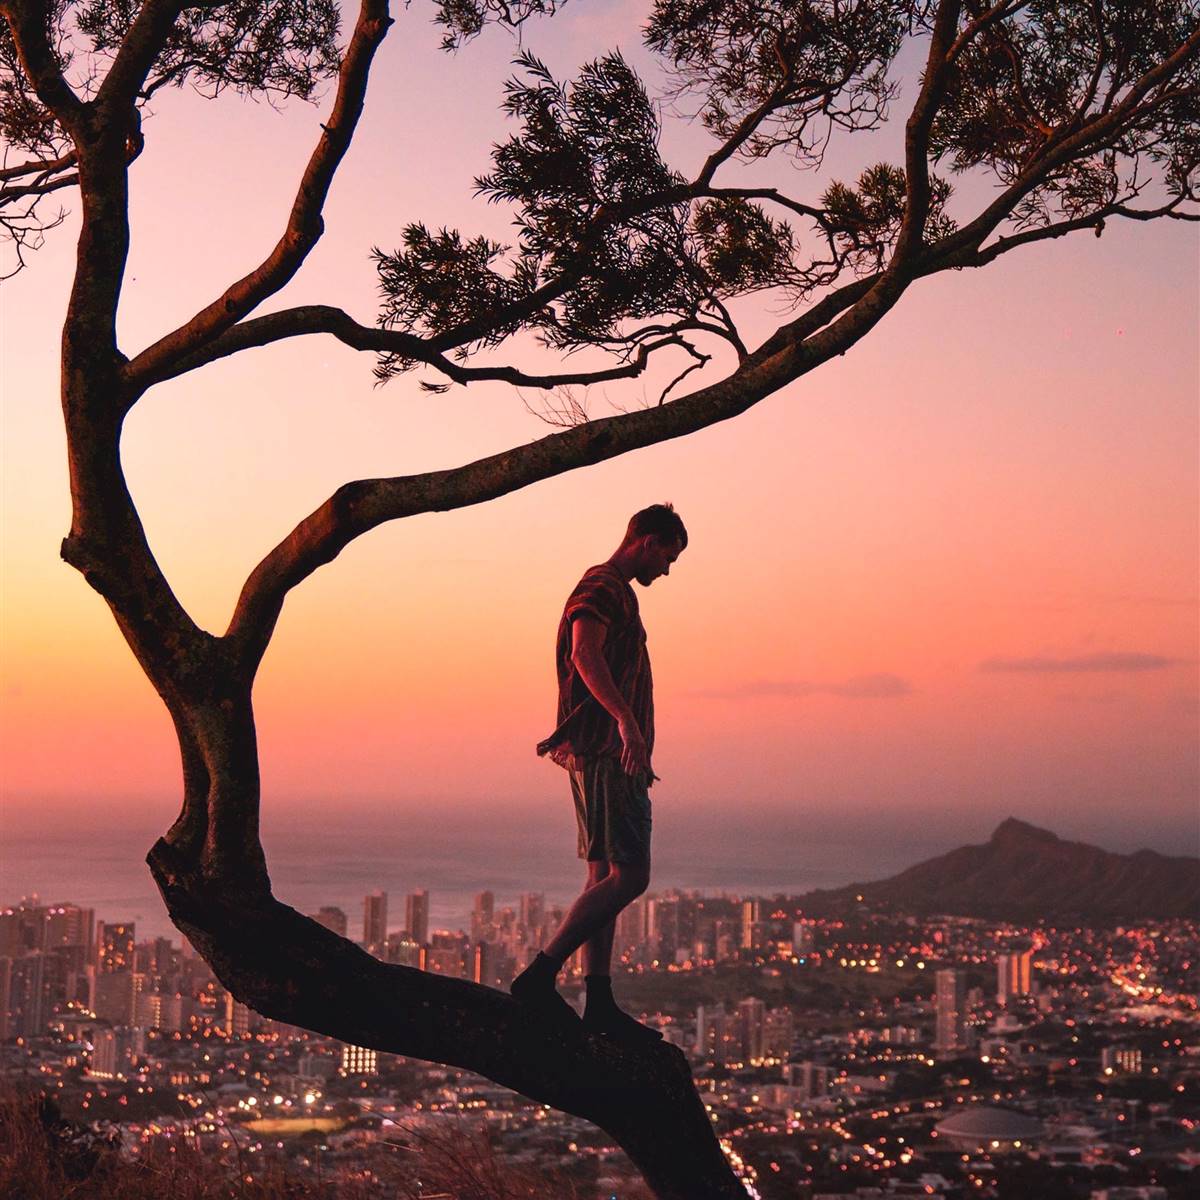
1080 114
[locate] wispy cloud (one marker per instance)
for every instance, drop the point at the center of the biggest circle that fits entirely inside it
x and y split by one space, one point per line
860 687
1109 661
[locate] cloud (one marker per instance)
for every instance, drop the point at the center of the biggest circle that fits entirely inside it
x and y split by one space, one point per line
1108 661
861 687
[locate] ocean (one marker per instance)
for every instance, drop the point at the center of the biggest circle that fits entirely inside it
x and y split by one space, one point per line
338 859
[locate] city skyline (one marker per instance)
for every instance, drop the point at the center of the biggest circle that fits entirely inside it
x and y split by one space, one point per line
948 1053
955 570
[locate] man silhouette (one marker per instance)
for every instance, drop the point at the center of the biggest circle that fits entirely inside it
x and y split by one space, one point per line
604 738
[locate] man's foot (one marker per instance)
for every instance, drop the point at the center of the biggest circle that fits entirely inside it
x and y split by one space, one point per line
602 1016
621 1027
534 988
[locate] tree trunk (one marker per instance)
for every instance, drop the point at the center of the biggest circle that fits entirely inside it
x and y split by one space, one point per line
289 968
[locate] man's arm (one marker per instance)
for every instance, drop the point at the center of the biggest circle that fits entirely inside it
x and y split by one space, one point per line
587 653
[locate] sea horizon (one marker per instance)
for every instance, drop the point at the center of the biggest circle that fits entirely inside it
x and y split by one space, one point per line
321 863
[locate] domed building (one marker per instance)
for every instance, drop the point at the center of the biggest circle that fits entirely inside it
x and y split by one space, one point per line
994 1130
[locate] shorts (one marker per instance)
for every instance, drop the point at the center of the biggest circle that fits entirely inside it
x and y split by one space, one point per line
613 811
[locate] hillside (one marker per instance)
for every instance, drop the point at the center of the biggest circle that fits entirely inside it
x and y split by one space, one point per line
1024 872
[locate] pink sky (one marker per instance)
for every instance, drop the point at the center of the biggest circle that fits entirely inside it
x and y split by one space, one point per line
954 572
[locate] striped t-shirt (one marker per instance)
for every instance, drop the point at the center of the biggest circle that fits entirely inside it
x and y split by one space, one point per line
585 728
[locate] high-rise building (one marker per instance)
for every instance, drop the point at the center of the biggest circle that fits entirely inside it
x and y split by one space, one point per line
102 1061
1014 976
533 912
1121 1060
114 946
711 1023
335 919
811 1078
416 916
375 921
751 1015
950 1011
751 917
358 1060
115 995
240 1019
483 917
779 1032
402 950
633 931
23 995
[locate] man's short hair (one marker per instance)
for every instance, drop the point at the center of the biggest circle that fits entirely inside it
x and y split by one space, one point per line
661 520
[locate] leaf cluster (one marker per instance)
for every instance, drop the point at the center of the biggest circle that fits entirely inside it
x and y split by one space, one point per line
1050 70
865 219
279 47
463 20
812 64
606 230
25 123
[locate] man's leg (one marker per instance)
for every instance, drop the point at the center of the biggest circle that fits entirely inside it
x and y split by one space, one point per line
597 907
597 950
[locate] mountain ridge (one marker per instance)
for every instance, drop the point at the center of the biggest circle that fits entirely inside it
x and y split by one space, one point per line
1024 872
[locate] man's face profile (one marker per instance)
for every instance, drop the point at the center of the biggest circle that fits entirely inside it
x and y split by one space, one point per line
656 558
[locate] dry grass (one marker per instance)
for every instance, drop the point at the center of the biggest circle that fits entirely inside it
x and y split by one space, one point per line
44 1157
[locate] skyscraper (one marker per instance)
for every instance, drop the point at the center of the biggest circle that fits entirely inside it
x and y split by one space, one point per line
710 1032
533 911
1014 976
114 946
416 916
483 916
950 1011
374 921
751 1021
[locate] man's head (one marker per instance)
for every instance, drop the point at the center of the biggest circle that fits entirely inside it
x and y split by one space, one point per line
654 539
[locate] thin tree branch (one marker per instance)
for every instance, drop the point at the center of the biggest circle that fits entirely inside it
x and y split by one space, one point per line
305 224
1072 142
322 318
20 190
1006 8
39 166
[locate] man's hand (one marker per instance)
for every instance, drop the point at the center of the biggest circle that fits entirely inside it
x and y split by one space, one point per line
635 757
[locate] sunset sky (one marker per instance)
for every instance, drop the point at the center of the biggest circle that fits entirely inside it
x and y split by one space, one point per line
947 578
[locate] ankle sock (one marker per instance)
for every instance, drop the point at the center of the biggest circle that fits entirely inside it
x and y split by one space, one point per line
599 993
602 1014
539 975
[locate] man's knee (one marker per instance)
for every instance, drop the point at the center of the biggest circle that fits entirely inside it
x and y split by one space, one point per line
597 869
632 879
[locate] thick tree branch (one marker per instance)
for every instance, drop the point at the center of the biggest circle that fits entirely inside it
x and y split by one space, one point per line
141 46
360 506
916 136
27 21
305 224
291 969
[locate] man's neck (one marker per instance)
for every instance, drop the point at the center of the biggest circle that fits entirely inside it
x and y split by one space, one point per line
624 560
